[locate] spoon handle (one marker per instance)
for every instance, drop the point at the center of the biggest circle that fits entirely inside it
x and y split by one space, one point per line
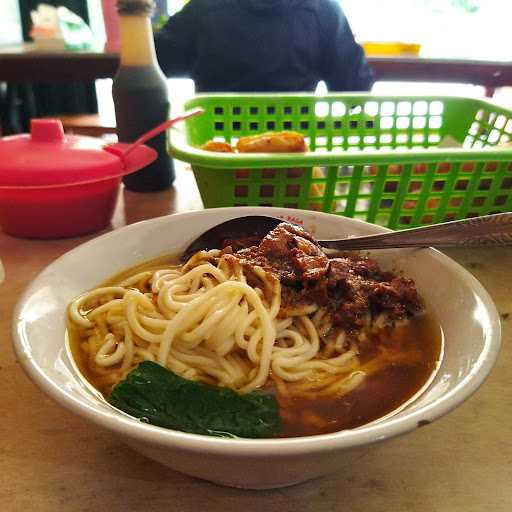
161 127
486 230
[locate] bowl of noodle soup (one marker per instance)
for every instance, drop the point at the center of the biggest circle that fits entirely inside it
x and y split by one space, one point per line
262 340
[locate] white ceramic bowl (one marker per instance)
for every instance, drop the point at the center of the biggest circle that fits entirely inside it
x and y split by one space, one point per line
466 312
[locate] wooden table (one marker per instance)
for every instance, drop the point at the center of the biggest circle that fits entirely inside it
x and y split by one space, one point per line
52 460
23 64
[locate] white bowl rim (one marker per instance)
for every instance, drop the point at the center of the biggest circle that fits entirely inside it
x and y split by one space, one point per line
345 439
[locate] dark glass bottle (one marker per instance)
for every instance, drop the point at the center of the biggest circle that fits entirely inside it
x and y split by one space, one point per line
140 95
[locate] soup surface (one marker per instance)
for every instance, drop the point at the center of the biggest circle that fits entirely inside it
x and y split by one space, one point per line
339 342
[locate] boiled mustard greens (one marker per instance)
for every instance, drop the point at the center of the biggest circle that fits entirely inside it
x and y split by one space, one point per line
154 394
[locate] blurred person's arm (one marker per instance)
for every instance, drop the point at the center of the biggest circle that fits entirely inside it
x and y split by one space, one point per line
344 66
175 43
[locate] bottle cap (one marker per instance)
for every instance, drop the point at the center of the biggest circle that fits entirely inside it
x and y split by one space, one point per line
135 7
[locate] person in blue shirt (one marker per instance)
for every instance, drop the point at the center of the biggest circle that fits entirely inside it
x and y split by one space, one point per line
263 46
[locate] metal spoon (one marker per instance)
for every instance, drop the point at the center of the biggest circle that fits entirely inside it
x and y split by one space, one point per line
254 226
485 230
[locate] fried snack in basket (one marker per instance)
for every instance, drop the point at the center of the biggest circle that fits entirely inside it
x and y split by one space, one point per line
270 142
217 146
273 142
280 142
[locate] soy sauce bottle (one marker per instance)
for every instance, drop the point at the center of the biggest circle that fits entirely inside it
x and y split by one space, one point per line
140 94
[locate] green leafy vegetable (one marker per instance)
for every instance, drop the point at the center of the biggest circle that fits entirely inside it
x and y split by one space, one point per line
154 394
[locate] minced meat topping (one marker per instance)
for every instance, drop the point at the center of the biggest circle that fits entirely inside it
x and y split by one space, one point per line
350 286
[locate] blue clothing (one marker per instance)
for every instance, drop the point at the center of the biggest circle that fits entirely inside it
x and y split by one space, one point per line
263 46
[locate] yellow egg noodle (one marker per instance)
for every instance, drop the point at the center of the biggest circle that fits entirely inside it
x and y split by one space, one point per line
203 321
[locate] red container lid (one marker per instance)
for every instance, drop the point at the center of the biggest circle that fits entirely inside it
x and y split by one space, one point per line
48 158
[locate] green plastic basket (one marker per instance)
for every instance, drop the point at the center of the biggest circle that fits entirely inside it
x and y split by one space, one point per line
375 158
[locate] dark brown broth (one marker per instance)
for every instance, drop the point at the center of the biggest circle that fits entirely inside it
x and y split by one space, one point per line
380 393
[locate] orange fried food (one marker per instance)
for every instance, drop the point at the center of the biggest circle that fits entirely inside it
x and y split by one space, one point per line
273 142
219 147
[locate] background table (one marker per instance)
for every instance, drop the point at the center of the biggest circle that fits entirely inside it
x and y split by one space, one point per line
23 64
52 460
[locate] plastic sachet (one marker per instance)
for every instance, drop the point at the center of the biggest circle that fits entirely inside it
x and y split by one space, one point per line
58 28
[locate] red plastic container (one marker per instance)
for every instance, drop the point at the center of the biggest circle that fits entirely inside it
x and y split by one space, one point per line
54 185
